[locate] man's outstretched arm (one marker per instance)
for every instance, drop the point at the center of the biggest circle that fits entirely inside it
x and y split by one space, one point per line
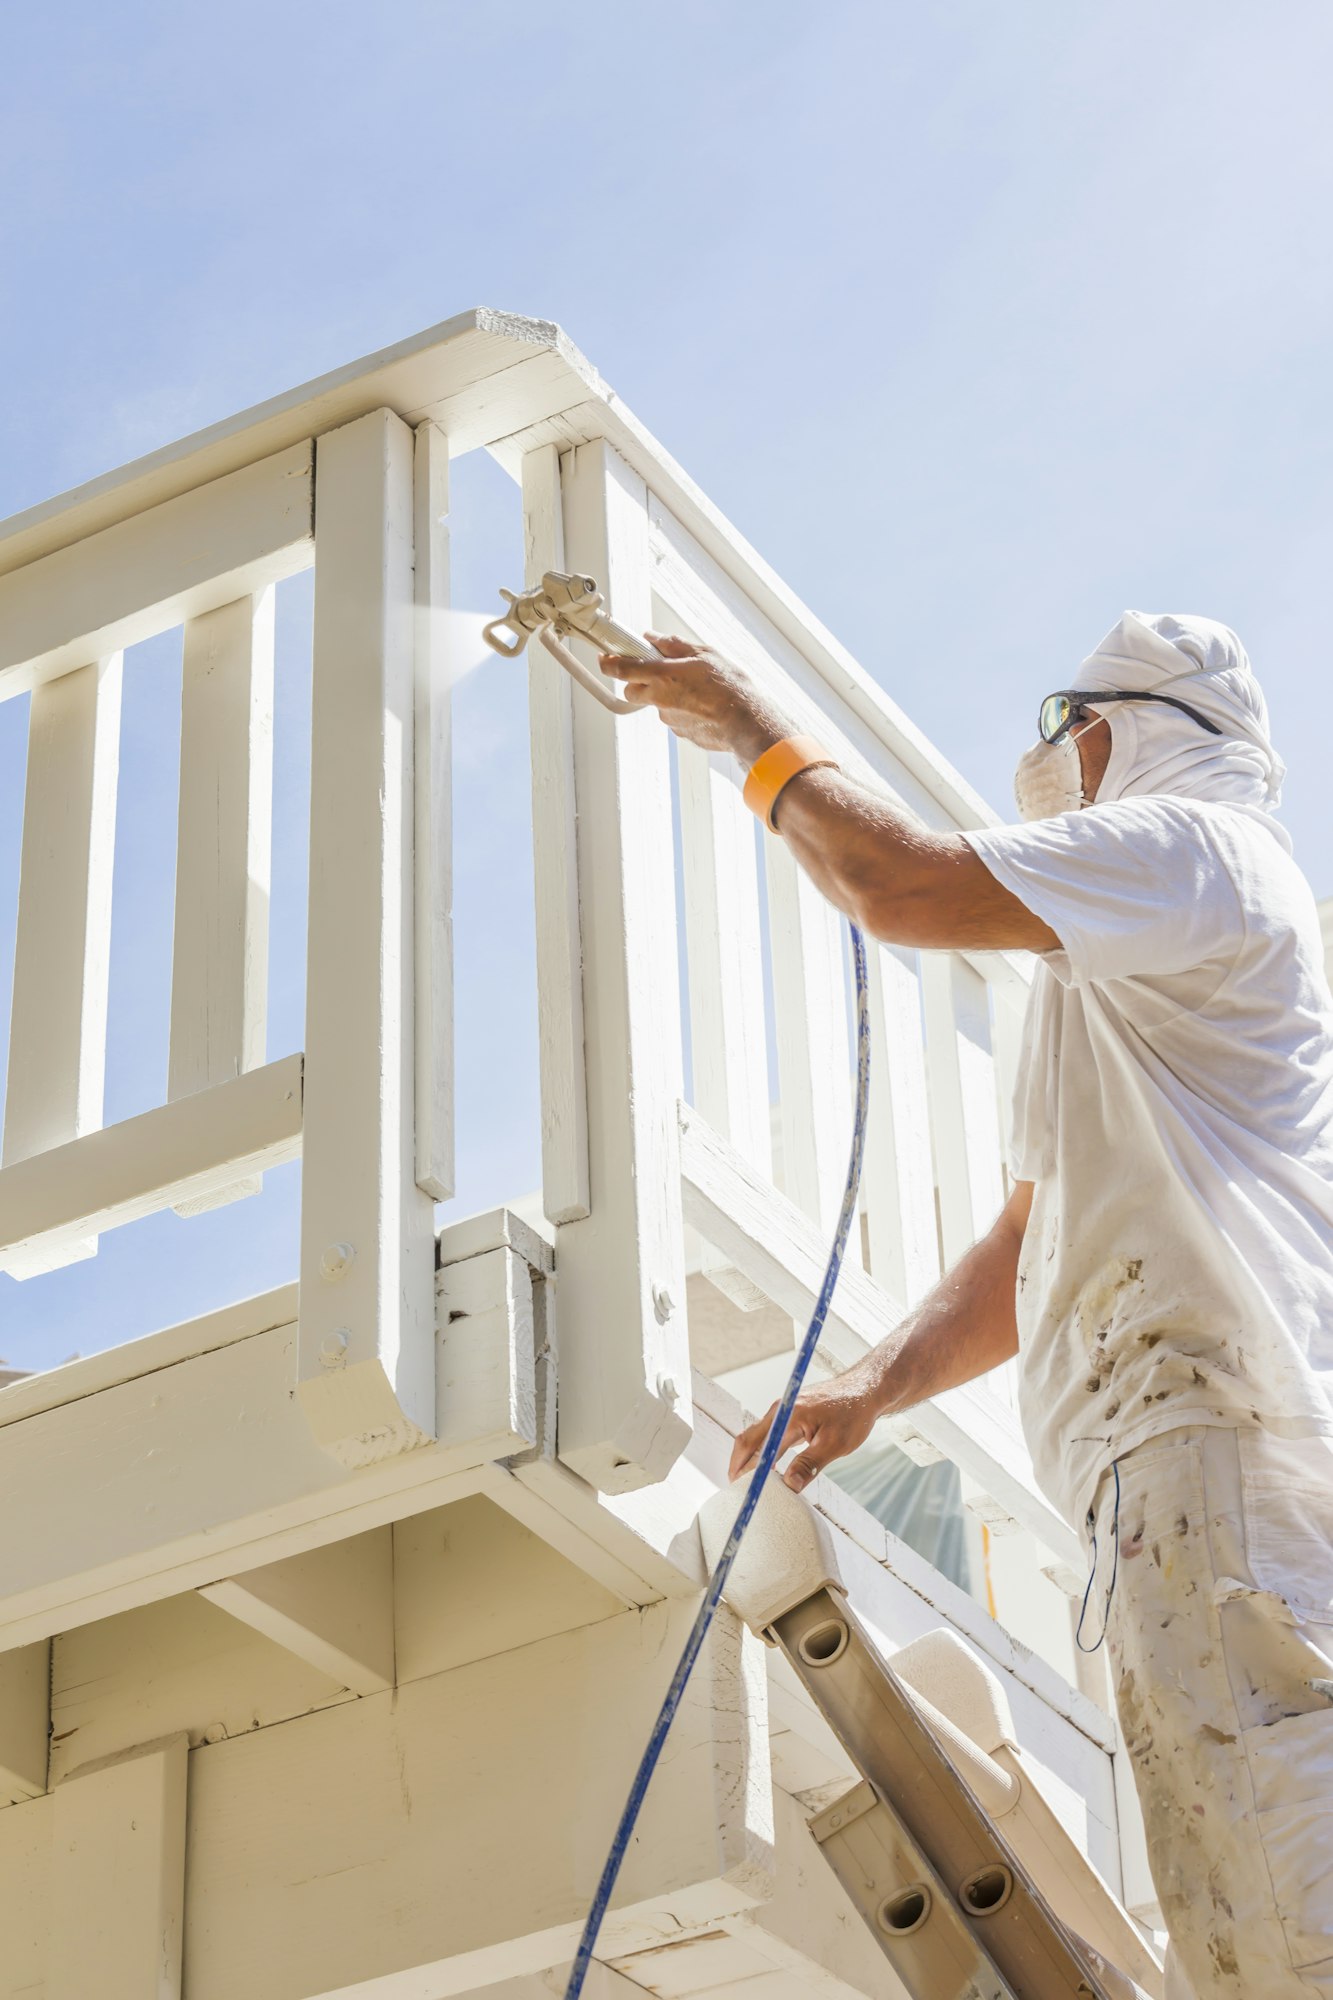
897 879
961 1329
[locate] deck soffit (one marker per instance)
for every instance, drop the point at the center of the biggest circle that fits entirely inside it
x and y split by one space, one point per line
503 381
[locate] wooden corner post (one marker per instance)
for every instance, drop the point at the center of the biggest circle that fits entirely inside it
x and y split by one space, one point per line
367 1340
601 786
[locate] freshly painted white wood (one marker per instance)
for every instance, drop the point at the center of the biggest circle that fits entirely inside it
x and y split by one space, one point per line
700 559
785 1255
649 1547
486 1381
564 1088
151 1162
367 1357
434 818
900 1195
204 548
1008 1008
62 947
471 1581
118 1878
511 383
436 374
964 1117
497 1229
722 934
197 1471
219 976
332 1607
726 976
25 1897
180 1666
624 1358
358 1846
814 1054
25 1718
73 1380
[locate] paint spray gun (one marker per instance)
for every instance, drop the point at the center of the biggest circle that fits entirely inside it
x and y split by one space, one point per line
562 607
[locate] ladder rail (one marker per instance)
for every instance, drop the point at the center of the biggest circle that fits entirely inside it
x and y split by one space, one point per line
940 1888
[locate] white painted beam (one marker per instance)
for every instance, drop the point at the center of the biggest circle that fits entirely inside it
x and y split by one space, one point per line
564 1087
357 1850
624 1364
433 858
785 1255
199 1469
367 1359
161 1158
62 948
89 1374
332 1607
25 1719
203 548
118 1878
219 976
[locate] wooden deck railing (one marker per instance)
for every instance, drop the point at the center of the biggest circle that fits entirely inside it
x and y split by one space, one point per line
352 475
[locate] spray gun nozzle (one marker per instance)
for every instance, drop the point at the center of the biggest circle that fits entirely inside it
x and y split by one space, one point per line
565 605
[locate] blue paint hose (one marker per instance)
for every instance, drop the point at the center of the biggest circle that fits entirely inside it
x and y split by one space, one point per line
768 1457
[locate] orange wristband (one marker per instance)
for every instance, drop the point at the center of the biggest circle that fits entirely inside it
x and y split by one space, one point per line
777 767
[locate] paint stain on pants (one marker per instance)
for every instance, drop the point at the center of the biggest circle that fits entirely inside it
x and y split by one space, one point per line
1221 1646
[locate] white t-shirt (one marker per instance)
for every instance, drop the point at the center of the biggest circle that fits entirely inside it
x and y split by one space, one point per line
1175 1110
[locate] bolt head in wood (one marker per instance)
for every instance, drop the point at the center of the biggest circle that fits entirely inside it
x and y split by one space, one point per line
333 1349
337 1261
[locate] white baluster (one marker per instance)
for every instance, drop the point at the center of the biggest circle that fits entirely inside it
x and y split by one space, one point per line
57 1035
900 1191
219 976
964 1120
814 1049
726 980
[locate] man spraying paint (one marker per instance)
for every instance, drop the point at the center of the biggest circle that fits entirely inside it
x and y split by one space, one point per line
1164 1266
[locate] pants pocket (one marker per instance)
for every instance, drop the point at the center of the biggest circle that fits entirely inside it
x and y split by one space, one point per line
1287 1503
1291 1767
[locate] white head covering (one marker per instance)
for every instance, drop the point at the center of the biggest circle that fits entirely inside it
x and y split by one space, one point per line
1155 748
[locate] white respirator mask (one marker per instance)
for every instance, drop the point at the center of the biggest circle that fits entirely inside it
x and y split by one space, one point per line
1049 780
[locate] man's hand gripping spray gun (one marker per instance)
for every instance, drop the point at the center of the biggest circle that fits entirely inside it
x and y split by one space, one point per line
563 607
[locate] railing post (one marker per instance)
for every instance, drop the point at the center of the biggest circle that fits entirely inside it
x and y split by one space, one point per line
624 1380
367 1353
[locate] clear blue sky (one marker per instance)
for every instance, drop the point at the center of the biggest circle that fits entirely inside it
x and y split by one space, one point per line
982 323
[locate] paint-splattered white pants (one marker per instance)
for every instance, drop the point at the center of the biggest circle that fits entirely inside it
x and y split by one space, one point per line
1221 1646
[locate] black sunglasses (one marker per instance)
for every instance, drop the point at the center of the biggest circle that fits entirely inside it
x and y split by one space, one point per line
1059 712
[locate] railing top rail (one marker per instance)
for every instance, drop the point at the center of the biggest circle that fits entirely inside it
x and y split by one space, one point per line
502 381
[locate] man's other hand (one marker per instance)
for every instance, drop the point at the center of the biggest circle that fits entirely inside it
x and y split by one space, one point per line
830 1420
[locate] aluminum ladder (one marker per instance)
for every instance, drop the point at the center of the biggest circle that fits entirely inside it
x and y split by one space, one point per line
967 1880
